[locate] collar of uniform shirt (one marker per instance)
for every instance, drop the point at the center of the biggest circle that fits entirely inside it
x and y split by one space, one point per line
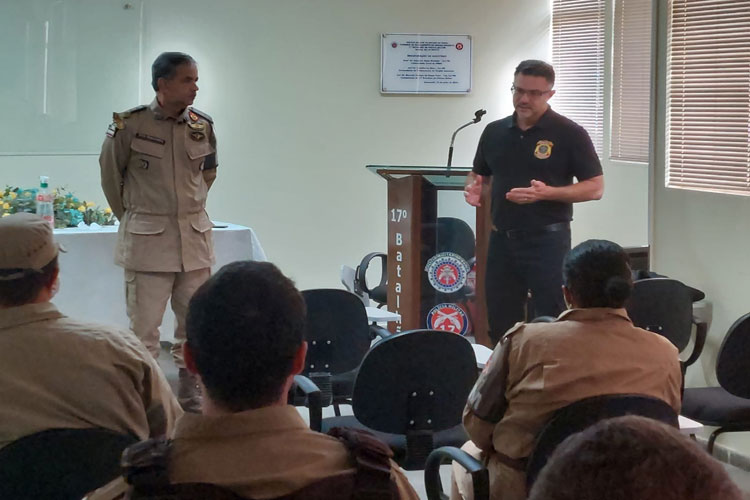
594 313
159 113
544 120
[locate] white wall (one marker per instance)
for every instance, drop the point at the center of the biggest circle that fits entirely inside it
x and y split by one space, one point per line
293 88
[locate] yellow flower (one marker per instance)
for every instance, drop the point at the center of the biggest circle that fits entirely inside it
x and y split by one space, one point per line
6 214
13 195
6 205
82 208
107 210
90 204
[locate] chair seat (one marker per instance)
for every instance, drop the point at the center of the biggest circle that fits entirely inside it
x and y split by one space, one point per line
453 436
715 406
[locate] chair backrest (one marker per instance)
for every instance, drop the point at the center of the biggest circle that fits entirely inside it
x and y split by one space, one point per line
455 235
663 306
337 331
579 415
733 359
416 380
60 464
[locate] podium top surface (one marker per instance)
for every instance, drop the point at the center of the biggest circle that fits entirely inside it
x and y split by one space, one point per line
436 175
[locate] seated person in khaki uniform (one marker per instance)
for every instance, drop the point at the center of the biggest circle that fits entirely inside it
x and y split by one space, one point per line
245 342
632 457
61 373
590 350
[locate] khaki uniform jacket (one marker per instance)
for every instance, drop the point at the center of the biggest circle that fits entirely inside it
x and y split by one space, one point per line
263 453
62 373
586 352
156 172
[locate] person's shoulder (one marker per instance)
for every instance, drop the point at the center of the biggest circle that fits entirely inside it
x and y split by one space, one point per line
201 114
105 336
501 124
564 122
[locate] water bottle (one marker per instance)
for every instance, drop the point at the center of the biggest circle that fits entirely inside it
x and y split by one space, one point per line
44 201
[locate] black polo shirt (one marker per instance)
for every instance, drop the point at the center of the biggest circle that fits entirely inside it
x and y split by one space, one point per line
553 151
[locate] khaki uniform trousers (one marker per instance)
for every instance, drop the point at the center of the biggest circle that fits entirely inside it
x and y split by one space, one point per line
147 293
505 483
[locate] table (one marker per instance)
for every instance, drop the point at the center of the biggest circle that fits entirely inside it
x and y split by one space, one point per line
91 285
687 426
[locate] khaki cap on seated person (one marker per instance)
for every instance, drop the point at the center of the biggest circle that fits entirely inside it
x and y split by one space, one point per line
27 245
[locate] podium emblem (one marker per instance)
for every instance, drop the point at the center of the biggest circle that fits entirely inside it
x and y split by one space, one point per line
448 317
447 272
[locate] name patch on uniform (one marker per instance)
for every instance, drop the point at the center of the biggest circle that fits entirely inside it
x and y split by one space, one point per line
447 272
543 149
449 318
150 138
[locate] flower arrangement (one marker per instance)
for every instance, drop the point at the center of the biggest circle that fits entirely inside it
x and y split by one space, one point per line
69 210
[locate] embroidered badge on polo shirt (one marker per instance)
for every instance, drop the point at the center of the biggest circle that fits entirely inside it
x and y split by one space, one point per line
543 149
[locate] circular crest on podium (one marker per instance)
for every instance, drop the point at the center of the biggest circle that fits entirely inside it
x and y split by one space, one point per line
448 317
447 272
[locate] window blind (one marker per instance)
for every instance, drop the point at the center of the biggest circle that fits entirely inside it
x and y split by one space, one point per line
578 58
631 81
708 95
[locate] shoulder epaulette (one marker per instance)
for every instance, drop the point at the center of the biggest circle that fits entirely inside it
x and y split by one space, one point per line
202 114
130 111
517 327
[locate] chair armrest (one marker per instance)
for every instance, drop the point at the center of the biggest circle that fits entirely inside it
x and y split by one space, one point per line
701 330
379 331
312 393
479 476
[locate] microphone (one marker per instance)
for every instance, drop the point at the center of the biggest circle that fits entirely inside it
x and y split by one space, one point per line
478 114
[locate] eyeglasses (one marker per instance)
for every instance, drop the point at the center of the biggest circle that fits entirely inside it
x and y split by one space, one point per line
534 94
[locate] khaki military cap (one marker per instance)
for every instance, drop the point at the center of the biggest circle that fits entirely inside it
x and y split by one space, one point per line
27 244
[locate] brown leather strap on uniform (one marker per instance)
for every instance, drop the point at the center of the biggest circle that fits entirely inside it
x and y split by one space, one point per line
372 480
513 463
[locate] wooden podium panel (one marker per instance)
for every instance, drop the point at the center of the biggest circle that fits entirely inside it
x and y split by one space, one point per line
412 222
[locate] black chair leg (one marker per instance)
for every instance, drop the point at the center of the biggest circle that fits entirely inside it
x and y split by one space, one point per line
712 439
336 410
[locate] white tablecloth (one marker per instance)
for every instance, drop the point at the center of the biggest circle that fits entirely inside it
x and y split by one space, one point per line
91 285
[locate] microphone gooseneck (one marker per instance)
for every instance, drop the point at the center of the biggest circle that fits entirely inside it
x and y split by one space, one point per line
477 117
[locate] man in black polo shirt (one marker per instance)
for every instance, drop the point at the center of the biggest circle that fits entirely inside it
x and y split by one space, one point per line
532 156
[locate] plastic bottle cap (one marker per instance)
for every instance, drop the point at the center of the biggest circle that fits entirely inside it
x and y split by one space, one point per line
43 181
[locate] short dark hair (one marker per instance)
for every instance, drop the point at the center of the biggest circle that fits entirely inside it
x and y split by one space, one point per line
165 66
23 290
535 67
632 458
244 326
597 273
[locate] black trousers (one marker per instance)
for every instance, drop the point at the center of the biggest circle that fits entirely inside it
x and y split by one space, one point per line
527 261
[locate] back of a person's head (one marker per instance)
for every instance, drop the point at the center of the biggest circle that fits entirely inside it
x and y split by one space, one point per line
597 274
28 258
632 458
244 327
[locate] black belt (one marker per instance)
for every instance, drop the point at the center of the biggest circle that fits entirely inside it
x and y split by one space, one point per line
517 234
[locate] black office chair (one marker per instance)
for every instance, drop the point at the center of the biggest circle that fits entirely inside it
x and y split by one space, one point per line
410 392
60 464
665 306
338 337
378 293
566 421
452 235
727 406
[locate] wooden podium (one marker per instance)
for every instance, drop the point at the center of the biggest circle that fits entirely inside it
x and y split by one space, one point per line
412 222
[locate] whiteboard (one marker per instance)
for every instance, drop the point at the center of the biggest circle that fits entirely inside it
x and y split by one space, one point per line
67 65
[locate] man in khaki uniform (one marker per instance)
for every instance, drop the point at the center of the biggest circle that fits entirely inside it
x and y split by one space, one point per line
61 373
591 349
157 165
245 340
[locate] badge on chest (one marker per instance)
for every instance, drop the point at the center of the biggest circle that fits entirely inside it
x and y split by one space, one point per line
543 149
